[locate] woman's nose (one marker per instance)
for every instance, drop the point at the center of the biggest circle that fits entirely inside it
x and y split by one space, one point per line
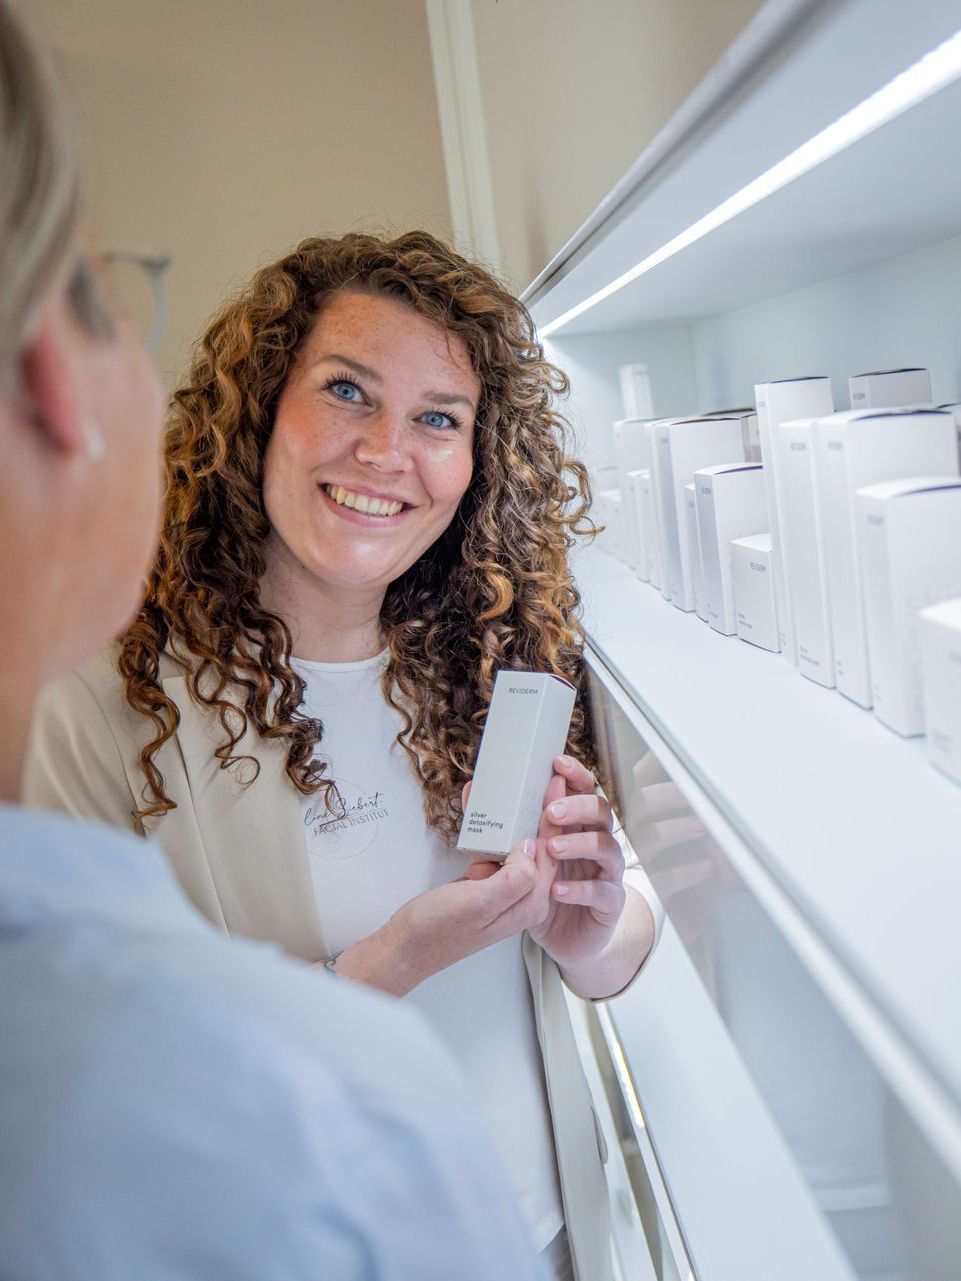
383 442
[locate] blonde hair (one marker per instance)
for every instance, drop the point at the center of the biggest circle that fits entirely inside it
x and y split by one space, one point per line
41 186
495 591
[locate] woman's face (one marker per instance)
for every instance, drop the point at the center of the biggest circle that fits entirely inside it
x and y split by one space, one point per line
372 445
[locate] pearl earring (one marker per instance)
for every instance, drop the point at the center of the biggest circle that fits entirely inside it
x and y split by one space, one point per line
96 446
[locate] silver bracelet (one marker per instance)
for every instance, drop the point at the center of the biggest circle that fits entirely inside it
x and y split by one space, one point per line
330 965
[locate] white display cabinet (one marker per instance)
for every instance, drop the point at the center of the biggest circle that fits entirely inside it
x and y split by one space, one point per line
784 1083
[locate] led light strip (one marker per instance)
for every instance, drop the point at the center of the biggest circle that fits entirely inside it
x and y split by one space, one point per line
926 77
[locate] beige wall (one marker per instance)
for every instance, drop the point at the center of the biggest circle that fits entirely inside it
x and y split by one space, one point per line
222 131
573 90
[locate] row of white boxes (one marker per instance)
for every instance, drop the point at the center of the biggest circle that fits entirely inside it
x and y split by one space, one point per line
821 535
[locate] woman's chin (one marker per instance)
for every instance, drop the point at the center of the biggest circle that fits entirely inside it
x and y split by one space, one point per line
358 574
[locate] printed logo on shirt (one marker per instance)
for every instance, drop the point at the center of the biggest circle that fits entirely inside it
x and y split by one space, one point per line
349 826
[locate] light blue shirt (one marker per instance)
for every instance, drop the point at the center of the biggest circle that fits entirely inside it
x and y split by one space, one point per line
176 1105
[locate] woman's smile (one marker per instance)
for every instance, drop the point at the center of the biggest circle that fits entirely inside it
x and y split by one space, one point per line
367 509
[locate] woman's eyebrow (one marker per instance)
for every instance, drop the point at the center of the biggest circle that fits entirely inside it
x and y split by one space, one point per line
364 370
449 398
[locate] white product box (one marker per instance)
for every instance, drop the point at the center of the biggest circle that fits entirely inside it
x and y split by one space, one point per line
629 534
753 587
633 524
615 515
953 407
527 726
647 522
890 388
659 481
780 402
853 450
697 583
608 512
910 536
632 448
604 480
805 579
939 637
636 390
752 445
682 448
749 429
632 451
730 504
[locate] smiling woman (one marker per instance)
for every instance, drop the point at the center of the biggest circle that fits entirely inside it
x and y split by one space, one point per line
368 462
327 370
370 503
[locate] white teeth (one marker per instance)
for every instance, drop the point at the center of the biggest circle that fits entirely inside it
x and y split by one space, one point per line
360 502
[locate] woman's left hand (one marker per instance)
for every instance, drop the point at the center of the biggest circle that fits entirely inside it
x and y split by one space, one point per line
588 894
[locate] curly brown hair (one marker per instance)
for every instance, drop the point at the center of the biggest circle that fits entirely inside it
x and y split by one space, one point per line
494 591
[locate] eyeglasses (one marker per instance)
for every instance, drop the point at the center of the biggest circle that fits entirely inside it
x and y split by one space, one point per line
138 284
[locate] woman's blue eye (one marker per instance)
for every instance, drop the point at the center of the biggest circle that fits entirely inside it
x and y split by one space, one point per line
345 391
437 419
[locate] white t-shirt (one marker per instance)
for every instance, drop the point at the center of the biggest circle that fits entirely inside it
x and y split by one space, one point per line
379 853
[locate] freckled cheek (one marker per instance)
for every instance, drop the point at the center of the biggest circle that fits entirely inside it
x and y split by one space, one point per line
449 478
307 440
287 472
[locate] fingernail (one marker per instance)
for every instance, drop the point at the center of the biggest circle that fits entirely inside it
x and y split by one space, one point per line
527 848
559 844
568 760
560 890
558 809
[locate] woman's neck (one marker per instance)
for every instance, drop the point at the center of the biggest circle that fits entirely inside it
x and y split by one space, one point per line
340 631
329 624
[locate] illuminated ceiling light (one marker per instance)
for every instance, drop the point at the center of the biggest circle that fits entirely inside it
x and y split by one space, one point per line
926 77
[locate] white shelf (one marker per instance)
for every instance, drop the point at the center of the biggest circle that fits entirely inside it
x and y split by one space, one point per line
850 820
893 192
743 1208
848 841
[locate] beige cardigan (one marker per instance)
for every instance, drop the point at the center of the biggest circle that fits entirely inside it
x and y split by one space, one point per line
241 857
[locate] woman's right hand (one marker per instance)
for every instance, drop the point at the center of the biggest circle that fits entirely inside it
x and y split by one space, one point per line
442 926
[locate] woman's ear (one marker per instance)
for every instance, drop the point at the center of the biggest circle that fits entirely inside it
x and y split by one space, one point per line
49 385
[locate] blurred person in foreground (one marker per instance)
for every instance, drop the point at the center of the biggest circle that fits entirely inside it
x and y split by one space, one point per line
172 1104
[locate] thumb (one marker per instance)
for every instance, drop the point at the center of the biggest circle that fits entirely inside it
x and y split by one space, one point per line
511 882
